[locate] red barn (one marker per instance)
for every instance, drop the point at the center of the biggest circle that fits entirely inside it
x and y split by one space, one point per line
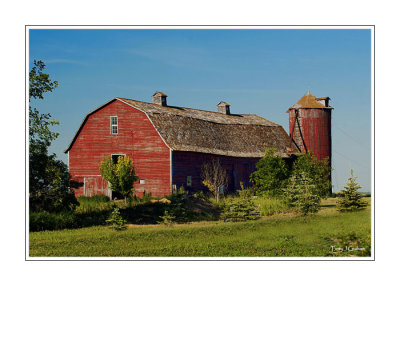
169 144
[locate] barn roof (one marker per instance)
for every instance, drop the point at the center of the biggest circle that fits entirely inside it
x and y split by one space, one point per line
187 129
310 101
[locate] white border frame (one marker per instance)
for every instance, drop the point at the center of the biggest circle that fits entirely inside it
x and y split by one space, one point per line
217 27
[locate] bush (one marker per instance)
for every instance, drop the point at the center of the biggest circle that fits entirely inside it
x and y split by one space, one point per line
41 221
302 194
177 207
240 208
167 219
316 170
270 175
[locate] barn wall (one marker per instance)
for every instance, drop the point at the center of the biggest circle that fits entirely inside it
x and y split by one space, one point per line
189 164
136 138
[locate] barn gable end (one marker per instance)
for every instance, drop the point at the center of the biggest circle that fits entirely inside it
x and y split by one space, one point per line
136 138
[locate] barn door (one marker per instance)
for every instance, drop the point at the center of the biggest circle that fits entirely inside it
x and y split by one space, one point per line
94 185
89 186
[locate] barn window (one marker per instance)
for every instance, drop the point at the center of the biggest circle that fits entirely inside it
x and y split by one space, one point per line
114 125
115 158
142 181
189 181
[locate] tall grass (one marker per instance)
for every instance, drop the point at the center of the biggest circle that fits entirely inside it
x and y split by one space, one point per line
94 203
270 206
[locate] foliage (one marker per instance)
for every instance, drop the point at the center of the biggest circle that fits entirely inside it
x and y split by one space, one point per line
240 208
271 174
146 196
121 175
271 205
40 133
318 171
167 219
214 177
43 220
177 207
116 221
302 194
350 199
50 188
94 199
201 195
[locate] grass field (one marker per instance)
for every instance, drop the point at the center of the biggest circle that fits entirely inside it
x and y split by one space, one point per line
281 235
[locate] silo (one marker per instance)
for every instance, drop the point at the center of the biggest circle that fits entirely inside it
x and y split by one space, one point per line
310 126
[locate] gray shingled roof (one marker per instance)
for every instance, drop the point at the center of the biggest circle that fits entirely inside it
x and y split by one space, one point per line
187 129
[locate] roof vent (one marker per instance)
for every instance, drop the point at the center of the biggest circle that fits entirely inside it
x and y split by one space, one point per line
160 99
324 100
224 108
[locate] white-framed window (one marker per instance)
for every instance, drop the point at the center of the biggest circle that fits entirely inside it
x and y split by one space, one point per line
189 181
142 181
114 125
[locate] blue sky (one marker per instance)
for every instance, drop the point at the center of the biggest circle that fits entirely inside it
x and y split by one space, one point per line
256 71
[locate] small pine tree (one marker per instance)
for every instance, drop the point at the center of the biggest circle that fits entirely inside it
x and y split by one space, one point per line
167 219
349 198
241 209
302 194
116 221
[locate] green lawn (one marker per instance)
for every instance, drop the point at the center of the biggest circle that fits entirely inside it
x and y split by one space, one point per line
280 235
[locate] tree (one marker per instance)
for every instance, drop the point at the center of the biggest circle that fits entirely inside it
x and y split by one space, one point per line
50 188
241 208
214 177
302 194
318 171
40 133
349 198
271 174
116 221
120 175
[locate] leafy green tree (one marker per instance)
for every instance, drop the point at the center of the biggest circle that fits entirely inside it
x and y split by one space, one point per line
349 198
120 175
318 171
271 174
50 188
302 194
40 123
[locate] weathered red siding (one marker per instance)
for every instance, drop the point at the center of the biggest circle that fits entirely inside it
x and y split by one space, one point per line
189 164
137 138
315 126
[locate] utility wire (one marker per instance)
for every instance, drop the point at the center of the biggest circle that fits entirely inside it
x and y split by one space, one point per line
348 135
351 160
